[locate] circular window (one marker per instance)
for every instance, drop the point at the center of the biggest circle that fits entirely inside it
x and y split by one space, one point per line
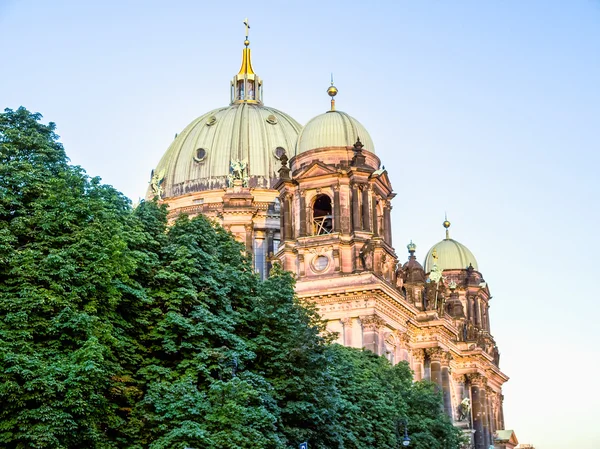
320 263
200 155
279 151
271 119
211 120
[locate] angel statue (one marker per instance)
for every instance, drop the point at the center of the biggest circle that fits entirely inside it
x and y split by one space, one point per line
237 171
463 409
156 183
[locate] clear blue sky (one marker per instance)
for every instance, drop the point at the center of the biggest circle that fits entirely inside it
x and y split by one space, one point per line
489 110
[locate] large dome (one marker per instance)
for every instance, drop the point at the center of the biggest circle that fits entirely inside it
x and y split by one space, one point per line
245 140
200 156
449 255
333 129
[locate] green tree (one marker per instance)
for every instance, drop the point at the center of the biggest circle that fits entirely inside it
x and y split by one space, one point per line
199 391
63 265
291 347
376 397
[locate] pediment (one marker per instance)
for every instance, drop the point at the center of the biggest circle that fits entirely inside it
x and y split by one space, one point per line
314 169
382 178
382 175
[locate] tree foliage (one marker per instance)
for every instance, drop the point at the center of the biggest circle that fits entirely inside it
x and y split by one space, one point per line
118 330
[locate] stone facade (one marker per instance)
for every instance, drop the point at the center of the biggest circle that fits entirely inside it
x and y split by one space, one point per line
439 324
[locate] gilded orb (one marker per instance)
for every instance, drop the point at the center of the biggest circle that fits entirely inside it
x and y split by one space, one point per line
446 224
246 42
332 91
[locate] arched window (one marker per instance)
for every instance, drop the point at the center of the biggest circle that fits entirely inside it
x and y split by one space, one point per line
322 215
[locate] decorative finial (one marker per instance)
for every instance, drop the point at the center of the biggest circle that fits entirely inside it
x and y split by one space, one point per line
332 92
447 225
411 248
358 146
359 159
246 41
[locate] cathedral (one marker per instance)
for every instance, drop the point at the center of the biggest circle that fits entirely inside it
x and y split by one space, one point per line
317 200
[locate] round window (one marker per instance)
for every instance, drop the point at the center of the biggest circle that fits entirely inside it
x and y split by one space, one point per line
320 263
200 155
279 151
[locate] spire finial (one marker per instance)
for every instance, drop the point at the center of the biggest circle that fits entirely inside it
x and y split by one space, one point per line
332 92
247 23
446 225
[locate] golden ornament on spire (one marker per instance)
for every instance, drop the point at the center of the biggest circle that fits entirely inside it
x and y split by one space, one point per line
332 92
447 225
246 86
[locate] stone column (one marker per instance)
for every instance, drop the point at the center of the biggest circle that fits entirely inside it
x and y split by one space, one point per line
336 209
374 217
357 334
301 265
270 252
302 227
418 359
435 357
477 383
249 238
287 212
447 396
282 207
366 219
485 421
355 209
500 411
370 326
387 223
347 337
491 411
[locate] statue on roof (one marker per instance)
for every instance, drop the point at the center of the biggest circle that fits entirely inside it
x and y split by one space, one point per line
238 171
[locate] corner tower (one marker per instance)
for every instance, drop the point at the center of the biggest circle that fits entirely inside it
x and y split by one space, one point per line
336 233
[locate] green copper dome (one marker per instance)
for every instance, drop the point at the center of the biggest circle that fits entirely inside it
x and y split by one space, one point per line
333 129
449 255
200 157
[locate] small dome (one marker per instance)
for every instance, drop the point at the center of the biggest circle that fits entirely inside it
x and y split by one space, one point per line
333 129
200 156
451 255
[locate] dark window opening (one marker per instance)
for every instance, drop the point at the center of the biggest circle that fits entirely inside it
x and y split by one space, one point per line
322 215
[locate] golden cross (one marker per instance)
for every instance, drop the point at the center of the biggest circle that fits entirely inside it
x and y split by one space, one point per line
247 26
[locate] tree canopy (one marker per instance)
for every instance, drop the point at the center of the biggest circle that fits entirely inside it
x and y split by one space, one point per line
118 330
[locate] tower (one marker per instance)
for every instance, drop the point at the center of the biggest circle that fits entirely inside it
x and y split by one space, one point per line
336 231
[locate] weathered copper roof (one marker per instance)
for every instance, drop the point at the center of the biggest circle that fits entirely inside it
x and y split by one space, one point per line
451 255
333 129
200 156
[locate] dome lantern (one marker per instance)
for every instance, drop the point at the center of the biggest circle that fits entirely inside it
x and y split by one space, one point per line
246 86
